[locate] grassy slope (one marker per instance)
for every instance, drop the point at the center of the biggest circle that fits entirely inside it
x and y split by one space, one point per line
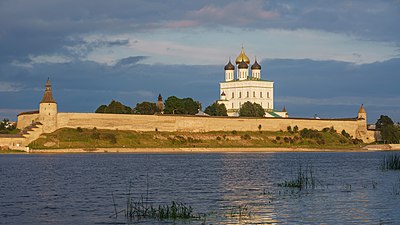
88 138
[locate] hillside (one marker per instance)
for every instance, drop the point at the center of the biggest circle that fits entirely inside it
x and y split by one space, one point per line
95 138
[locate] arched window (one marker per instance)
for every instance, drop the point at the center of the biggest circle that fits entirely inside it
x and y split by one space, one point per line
267 94
247 94
240 94
254 94
260 94
233 94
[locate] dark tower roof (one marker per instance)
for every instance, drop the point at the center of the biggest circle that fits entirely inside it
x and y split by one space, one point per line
284 109
229 66
243 65
48 95
362 110
256 66
159 97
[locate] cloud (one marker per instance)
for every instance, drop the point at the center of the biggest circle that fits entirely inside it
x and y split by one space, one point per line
234 13
10 87
132 60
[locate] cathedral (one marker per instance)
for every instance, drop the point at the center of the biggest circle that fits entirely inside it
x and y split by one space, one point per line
236 90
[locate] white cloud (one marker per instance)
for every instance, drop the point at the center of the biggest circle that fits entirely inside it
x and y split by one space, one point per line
10 87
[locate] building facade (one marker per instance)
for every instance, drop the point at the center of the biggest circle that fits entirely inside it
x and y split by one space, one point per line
247 85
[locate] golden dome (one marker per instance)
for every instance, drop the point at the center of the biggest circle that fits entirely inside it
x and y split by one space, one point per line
242 57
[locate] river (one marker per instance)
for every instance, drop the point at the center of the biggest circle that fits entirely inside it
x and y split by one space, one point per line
236 188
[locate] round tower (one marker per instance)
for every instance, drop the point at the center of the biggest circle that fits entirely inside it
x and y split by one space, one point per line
48 110
242 62
229 71
256 70
243 70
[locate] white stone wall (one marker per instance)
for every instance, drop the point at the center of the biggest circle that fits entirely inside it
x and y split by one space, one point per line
239 92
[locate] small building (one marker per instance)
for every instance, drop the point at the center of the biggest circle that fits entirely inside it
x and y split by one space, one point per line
243 83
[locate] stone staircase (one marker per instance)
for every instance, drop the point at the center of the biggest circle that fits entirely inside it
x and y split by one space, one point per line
32 132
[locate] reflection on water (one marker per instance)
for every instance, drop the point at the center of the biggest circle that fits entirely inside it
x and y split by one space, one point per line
228 188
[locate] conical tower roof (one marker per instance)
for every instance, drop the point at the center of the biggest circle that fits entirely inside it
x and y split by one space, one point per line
48 95
284 109
242 57
362 110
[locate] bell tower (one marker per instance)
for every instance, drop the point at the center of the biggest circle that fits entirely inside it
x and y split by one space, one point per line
48 110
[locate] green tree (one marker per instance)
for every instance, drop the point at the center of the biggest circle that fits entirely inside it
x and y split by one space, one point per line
101 109
383 121
390 133
6 127
251 110
114 107
145 108
216 109
174 105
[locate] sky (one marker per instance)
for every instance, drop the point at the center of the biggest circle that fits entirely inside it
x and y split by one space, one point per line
325 57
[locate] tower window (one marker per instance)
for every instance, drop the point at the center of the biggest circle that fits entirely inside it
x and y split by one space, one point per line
254 94
247 94
240 94
260 94
233 94
267 94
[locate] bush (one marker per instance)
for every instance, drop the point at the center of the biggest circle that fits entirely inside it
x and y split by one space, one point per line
296 129
346 135
309 133
79 129
289 128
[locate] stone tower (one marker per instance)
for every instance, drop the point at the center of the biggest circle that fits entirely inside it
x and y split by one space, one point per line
160 104
362 114
48 110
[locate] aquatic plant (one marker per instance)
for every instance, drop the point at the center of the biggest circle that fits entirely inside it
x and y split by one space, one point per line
391 162
305 179
240 212
142 208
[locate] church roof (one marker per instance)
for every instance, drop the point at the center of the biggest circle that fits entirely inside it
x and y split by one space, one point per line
362 110
242 57
243 65
48 95
229 66
256 66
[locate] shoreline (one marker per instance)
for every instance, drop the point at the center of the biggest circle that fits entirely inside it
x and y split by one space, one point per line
187 150
190 150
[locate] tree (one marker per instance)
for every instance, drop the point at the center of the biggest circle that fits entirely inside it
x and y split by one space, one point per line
114 107
6 127
383 121
174 105
216 110
390 133
251 110
101 109
146 108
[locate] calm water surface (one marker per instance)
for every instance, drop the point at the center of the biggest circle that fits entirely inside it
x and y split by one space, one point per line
78 188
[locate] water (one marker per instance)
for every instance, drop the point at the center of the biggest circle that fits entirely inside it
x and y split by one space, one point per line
78 188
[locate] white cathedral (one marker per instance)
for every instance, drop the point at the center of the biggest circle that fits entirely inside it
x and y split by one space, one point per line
234 92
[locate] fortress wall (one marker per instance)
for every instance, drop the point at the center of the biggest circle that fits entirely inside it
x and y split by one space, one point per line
25 120
11 141
356 128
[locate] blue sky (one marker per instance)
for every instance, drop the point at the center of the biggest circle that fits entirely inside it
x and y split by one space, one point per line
326 57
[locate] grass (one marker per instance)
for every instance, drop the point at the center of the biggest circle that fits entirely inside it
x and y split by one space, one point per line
305 179
143 209
391 162
95 138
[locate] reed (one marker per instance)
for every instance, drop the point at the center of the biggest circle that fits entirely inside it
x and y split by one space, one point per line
305 179
391 162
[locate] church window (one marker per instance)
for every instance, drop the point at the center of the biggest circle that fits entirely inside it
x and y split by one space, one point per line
268 105
267 94
233 94
260 94
232 105
254 94
247 94
240 94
